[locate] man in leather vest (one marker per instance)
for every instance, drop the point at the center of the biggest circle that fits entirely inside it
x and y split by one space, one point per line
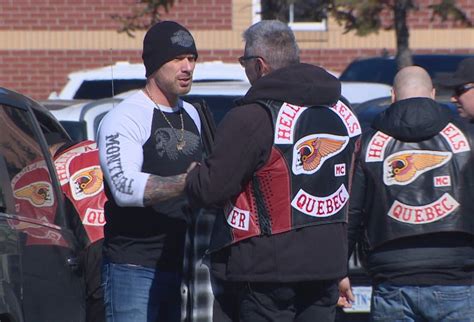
280 168
412 201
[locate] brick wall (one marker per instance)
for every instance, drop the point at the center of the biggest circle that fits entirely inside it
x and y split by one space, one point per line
38 72
96 14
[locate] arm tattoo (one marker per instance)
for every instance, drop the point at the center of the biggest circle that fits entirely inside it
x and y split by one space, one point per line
162 188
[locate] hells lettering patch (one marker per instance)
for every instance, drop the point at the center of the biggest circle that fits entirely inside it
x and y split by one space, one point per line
456 139
320 206
238 218
310 152
94 217
86 183
348 117
423 214
404 167
37 194
377 146
285 123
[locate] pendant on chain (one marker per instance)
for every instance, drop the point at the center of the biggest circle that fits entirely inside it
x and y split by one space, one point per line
180 145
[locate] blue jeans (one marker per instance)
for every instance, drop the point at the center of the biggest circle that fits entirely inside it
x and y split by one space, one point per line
140 294
422 303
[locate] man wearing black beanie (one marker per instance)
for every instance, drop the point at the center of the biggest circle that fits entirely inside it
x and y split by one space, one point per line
146 144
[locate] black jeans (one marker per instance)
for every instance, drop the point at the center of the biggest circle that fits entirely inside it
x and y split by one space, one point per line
282 302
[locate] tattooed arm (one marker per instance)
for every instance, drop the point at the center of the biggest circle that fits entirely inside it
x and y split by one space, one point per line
162 188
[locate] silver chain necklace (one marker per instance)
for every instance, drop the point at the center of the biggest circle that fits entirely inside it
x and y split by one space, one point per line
180 142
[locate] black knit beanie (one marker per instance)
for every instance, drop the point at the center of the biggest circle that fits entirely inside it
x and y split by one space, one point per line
163 42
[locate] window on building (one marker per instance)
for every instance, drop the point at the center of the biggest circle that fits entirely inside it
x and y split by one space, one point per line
300 14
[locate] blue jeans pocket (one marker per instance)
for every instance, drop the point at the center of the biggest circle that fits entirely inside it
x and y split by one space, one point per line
387 304
455 303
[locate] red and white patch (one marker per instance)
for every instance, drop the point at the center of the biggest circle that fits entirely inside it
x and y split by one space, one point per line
86 182
423 214
310 152
456 139
62 162
94 217
286 122
320 206
404 167
38 194
239 218
340 170
442 181
377 146
348 117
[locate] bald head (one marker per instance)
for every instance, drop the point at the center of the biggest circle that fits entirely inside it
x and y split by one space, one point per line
412 81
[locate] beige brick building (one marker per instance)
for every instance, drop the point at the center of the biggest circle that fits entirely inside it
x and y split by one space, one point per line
41 41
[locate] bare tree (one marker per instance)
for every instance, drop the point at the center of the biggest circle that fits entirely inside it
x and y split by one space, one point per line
144 15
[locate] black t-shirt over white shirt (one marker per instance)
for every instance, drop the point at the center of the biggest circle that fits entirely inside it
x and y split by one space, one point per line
135 141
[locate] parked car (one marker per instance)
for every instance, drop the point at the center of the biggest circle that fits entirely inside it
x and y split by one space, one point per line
382 69
39 274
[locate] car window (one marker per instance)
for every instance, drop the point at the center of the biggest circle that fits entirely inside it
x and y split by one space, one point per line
96 89
27 171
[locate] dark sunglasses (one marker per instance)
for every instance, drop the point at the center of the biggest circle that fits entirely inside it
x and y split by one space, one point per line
458 91
243 59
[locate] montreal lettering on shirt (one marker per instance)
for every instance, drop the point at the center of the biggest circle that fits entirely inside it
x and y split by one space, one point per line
423 214
320 206
114 164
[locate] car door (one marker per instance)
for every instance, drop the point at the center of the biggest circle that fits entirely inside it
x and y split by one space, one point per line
38 270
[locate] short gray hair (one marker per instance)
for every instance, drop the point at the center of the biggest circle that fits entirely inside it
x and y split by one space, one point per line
274 41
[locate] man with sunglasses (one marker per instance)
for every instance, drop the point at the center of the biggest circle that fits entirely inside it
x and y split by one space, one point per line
281 168
462 83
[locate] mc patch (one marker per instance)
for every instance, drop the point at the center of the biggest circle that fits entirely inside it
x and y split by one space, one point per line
310 152
404 167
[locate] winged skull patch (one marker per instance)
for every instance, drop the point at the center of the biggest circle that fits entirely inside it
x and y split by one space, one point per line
404 167
310 152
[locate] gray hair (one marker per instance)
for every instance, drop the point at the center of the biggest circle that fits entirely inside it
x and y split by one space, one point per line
274 41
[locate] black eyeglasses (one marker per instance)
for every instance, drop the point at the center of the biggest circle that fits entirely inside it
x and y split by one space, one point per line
243 59
458 91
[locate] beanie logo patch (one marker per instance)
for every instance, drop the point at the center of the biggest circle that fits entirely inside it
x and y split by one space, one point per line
182 38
